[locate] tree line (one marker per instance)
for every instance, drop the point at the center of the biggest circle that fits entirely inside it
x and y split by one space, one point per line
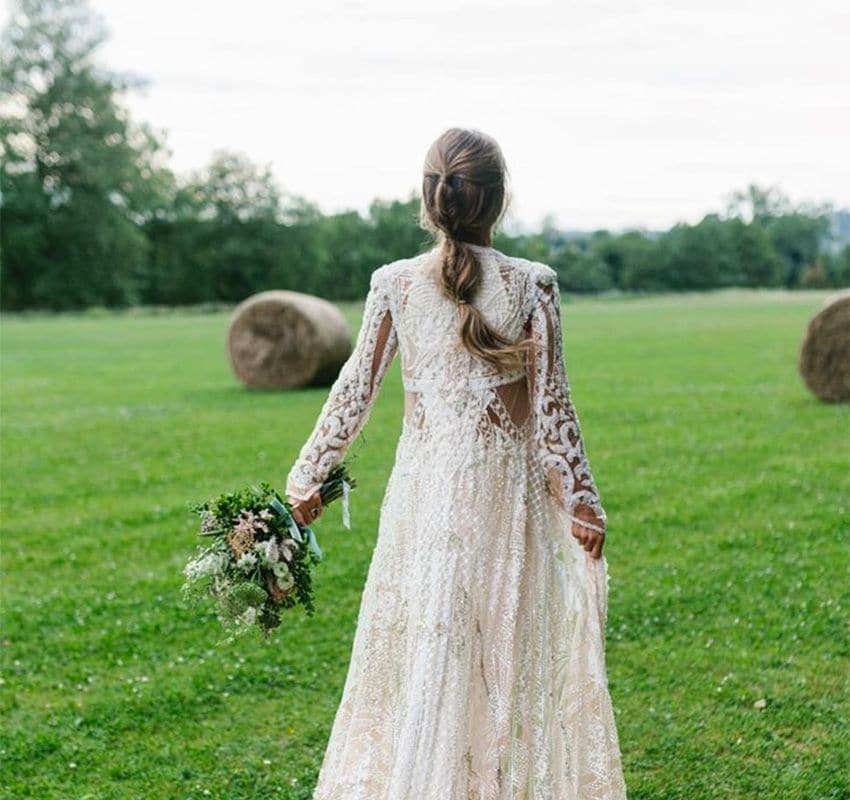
92 215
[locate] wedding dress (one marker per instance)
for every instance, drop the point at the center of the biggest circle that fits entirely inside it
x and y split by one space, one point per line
478 667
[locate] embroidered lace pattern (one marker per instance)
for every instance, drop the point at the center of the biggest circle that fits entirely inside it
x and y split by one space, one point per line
478 666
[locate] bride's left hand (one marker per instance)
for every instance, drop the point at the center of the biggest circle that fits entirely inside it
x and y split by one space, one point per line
592 541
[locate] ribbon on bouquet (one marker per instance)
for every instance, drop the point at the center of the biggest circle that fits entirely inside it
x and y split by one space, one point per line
288 519
313 543
346 508
297 533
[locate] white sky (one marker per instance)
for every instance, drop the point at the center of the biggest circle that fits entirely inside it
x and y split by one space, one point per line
611 113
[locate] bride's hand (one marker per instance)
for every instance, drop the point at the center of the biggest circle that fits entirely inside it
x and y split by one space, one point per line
592 540
306 512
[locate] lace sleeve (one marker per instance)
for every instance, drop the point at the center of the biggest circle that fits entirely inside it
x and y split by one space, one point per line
559 444
351 397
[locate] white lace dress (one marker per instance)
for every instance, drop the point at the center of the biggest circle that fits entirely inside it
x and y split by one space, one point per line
478 666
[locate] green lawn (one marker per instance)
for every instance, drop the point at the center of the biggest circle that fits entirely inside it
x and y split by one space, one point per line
726 485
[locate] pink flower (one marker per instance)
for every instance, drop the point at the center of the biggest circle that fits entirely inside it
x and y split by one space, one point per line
245 522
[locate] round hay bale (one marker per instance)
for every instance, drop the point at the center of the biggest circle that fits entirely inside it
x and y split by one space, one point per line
825 353
280 340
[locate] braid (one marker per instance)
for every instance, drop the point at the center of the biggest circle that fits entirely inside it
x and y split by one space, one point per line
463 195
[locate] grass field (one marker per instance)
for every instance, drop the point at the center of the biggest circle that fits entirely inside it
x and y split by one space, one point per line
726 484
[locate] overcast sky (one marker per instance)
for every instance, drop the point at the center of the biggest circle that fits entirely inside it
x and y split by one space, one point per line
610 113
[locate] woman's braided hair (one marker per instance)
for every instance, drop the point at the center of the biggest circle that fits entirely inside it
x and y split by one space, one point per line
463 197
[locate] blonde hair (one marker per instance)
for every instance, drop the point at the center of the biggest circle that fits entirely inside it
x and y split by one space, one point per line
464 196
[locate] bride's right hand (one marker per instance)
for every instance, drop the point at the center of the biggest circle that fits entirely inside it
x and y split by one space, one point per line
306 512
592 540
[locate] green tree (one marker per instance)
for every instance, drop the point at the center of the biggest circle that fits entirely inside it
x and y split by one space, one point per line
632 258
222 238
839 267
798 238
797 232
395 229
533 246
758 203
580 269
78 177
701 256
230 188
758 262
814 276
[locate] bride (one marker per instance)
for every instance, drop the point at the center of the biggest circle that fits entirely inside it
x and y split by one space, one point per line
478 666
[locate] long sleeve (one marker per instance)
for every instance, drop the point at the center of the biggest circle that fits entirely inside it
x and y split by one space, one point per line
351 397
559 444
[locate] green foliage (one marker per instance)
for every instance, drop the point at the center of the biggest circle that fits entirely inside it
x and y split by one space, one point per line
633 260
78 178
230 189
581 269
838 266
758 262
726 493
815 276
798 238
260 514
241 596
226 507
92 216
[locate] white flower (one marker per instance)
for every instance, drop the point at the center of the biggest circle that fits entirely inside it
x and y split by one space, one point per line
284 577
205 565
248 616
209 521
268 551
218 562
288 548
246 561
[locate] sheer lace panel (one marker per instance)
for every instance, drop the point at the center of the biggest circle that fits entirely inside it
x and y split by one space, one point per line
505 407
560 447
351 397
509 407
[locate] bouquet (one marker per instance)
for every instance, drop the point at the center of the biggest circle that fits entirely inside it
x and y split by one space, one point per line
258 561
